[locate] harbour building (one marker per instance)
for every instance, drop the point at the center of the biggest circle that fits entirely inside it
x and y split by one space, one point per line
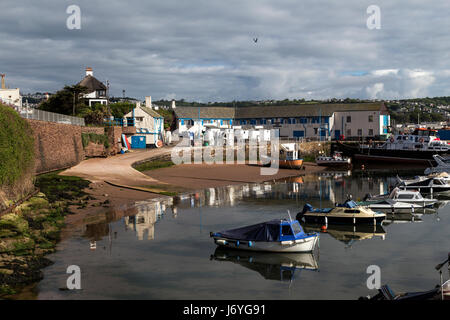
324 121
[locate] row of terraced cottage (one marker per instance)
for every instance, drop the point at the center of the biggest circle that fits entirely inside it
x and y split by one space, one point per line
325 121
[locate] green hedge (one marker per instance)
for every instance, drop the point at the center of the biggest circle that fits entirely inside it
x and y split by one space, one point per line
16 147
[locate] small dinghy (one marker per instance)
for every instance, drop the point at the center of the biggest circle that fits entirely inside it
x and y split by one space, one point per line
347 213
271 236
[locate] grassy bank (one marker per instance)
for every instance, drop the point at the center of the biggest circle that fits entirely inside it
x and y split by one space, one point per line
16 156
152 165
32 230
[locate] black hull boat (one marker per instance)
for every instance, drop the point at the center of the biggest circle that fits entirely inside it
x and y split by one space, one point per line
417 147
440 292
388 155
348 213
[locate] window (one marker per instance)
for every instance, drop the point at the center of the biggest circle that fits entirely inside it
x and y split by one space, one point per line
315 130
370 132
371 118
296 227
349 132
286 230
359 132
349 118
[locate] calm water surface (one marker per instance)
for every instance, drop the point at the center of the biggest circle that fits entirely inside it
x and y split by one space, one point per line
162 249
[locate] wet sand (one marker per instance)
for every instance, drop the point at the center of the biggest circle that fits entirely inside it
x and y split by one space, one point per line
200 176
176 179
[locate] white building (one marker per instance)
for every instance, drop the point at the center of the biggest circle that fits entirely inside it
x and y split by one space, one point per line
97 91
322 121
10 96
148 123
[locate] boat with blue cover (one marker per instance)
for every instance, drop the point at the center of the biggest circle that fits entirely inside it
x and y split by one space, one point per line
347 213
278 235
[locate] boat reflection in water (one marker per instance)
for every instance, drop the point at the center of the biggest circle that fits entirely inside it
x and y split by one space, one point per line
272 266
402 218
348 234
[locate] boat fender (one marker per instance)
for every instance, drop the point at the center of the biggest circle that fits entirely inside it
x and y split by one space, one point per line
222 242
237 243
250 244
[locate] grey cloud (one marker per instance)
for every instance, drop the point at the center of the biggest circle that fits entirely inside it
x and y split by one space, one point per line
204 50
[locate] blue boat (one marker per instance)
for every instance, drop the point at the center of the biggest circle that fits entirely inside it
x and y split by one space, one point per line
271 236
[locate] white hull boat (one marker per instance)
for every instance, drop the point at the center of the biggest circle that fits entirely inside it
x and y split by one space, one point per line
270 236
443 165
393 205
405 196
337 160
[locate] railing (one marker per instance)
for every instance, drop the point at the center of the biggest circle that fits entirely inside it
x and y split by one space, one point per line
117 122
36 114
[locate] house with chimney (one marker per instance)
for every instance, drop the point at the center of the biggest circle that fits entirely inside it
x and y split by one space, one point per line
97 91
149 126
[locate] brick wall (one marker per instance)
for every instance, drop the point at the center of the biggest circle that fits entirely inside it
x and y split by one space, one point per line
114 135
56 145
96 130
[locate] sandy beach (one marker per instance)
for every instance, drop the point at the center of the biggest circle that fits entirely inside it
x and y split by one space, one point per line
111 176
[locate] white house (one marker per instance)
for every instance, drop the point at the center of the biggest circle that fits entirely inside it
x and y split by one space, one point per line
10 96
148 123
97 91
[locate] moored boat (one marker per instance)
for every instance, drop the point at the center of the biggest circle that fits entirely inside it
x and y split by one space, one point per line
390 205
348 213
417 147
407 196
288 157
431 184
337 160
271 236
442 165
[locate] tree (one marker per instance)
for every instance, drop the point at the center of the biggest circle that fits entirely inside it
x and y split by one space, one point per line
75 90
65 101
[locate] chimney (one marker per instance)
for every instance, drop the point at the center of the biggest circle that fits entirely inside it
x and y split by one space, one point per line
173 104
3 80
148 101
89 71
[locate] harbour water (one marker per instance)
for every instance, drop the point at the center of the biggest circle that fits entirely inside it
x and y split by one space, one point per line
161 249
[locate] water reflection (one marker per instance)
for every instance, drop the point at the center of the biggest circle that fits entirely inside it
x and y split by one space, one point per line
159 252
272 266
148 214
322 190
348 234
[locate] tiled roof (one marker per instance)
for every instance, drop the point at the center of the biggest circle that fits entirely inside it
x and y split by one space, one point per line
303 110
205 112
92 84
151 112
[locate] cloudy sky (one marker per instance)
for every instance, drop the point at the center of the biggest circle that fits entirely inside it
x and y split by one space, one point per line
203 50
